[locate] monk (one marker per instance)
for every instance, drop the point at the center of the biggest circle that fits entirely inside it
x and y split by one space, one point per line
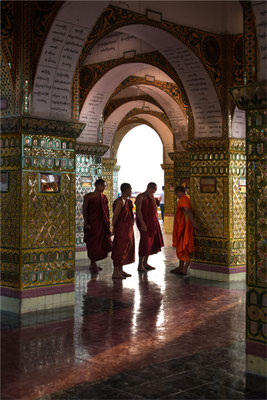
97 235
183 238
151 239
123 251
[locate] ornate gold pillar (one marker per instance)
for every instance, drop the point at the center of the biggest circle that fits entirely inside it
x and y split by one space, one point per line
168 197
88 170
37 213
217 192
108 165
252 99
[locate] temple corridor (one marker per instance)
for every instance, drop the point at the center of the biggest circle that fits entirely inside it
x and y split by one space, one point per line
153 335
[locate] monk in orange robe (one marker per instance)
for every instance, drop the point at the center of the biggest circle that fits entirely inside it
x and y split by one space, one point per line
97 235
151 239
123 251
183 229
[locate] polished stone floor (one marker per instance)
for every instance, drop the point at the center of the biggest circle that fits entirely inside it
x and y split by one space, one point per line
151 336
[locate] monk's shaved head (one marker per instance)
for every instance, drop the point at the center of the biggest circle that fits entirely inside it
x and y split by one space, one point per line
180 189
152 185
125 186
99 181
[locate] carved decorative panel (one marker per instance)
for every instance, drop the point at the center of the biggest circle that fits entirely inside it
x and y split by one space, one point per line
256 314
47 218
6 85
46 267
88 170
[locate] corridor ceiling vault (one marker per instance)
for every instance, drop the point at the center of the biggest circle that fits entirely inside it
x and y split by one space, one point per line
128 50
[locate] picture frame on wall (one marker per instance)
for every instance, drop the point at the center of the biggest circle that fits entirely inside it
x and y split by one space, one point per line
4 181
208 185
86 181
49 182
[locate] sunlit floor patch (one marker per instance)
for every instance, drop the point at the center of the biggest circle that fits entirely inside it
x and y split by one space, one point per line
129 339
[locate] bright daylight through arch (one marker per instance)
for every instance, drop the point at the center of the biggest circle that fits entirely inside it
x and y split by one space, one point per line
140 155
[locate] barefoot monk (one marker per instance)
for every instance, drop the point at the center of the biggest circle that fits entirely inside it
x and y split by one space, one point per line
151 239
183 229
122 222
97 235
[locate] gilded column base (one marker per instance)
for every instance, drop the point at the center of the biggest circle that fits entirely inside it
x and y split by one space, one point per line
217 272
168 223
39 299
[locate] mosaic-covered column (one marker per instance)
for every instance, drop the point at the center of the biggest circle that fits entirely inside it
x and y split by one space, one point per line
169 201
88 170
217 192
116 188
108 165
252 99
37 213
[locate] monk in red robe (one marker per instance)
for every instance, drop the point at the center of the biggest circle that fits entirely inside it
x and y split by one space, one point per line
123 251
151 239
183 229
97 235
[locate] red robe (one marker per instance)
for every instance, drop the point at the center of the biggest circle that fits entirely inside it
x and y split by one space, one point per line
123 251
152 240
182 236
97 239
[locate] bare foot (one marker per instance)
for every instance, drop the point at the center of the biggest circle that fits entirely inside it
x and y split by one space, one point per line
141 268
148 267
93 270
125 274
177 271
118 276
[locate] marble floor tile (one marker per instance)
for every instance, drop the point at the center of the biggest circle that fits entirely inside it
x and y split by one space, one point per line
153 335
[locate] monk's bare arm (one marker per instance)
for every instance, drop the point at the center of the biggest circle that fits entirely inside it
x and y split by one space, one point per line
85 205
139 200
154 202
189 213
118 207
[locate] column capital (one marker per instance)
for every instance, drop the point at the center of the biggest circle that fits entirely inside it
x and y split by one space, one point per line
40 126
167 167
224 144
250 97
95 149
179 155
109 162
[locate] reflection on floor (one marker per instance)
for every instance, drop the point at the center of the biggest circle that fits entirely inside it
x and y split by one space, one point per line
151 336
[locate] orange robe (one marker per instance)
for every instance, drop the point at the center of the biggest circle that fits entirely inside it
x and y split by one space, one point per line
182 236
98 238
123 251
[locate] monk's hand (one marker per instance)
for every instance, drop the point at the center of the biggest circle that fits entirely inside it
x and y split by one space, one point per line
144 227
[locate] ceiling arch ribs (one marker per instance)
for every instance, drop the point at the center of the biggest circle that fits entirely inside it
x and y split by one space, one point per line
90 74
195 55
115 103
156 114
125 109
172 115
171 91
197 40
105 88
